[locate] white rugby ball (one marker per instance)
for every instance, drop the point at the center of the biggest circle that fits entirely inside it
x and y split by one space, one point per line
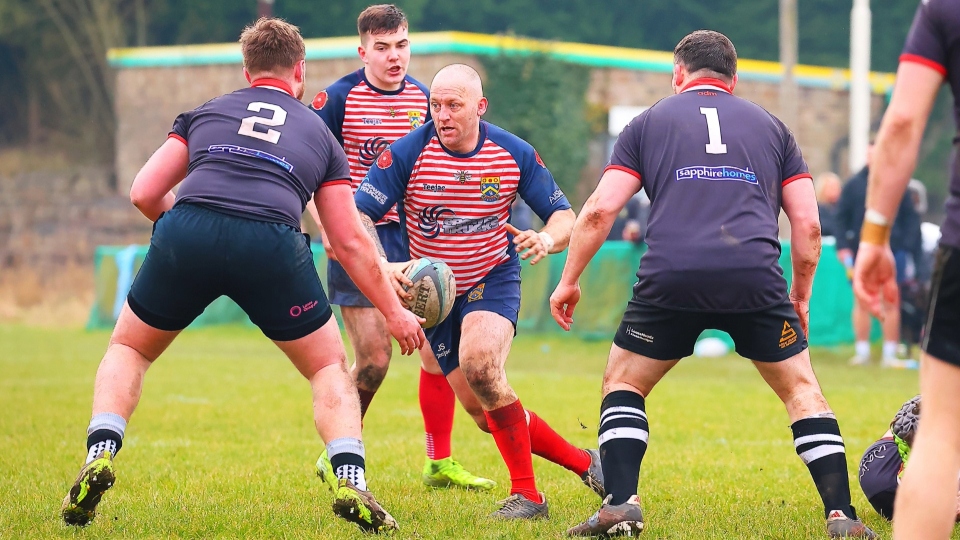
434 290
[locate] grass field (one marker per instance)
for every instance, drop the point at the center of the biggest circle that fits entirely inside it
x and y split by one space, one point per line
223 446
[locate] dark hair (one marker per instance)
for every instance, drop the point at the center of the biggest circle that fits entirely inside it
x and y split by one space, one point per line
707 50
270 44
380 19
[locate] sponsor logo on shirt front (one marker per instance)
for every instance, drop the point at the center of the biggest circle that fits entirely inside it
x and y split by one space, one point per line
439 219
436 188
378 195
371 148
723 172
371 121
490 188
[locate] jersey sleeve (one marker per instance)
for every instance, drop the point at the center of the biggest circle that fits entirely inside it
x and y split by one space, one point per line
338 169
181 127
794 167
926 42
626 151
538 188
330 105
386 181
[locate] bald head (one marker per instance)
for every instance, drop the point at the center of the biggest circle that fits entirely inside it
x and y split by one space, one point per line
456 105
459 77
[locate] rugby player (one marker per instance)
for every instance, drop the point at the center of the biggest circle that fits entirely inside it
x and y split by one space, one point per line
925 503
717 170
456 178
249 161
366 111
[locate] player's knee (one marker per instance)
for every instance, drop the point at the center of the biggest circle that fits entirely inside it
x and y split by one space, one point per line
369 377
484 380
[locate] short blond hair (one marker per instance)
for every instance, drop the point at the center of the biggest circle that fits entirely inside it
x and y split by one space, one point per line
271 45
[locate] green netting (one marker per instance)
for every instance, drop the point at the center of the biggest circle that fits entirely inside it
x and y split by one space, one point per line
606 285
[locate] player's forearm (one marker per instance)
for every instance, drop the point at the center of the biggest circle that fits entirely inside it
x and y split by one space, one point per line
371 229
589 232
152 208
363 265
560 226
804 255
895 157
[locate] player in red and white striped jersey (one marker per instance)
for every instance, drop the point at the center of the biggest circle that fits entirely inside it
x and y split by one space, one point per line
457 177
366 111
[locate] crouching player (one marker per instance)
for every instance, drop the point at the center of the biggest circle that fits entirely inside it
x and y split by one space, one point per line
882 464
455 179
249 161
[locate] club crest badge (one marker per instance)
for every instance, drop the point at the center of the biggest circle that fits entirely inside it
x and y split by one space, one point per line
490 188
476 293
416 119
319 100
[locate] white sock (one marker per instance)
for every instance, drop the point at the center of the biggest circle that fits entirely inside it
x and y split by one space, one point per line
354 474
863 349
889 349
94 451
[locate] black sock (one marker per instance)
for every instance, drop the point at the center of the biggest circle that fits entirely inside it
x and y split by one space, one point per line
820 446
103 440
623 440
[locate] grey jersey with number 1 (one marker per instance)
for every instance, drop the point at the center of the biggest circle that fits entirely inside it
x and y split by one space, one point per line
714 167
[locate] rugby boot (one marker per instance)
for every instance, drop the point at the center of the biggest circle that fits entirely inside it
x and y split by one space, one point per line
446 472
517 506
839 525
612 520
325 472
360 507
593 477
80 505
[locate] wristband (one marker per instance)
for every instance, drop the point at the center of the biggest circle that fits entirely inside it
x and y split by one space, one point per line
547 240
873 233
875 217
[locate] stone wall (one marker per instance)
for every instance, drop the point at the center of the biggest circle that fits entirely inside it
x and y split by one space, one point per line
50 223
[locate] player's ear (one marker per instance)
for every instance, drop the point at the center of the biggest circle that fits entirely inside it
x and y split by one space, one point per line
482 106
363 54
678 77
733 84
246 75
300 71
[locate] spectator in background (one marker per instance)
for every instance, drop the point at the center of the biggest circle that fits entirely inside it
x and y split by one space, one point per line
827 187
849 220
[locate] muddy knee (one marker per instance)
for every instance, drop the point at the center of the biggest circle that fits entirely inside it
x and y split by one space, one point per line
370 377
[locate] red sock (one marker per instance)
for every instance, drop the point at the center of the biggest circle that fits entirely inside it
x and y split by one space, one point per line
509 428
548 444
366 397
437 402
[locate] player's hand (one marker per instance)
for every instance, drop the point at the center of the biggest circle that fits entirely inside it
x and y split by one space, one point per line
529 243
327 247
396 275
802 307
875 278
562 303
407 329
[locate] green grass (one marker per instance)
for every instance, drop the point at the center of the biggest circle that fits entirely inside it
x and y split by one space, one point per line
223 445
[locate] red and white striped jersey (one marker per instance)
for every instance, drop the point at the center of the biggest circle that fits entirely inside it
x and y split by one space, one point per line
366 119
455 206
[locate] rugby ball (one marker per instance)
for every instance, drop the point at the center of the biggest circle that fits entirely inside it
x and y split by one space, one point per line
434 290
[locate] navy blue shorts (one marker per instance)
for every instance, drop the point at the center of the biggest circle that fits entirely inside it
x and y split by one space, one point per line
198 254
343 291
497 292
940 337
771 335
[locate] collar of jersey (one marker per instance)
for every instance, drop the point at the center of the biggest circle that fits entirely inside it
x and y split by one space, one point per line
403 84
480 140
698 84
276 84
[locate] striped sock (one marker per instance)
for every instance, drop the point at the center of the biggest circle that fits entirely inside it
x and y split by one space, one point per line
347 458
105 434
623 440
820 446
